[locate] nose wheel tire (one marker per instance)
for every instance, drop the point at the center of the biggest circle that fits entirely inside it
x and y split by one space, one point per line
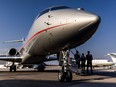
65 76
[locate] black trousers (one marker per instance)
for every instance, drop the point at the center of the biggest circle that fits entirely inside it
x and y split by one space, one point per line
89 64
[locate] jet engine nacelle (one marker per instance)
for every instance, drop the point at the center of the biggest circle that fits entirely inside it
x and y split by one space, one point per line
13 52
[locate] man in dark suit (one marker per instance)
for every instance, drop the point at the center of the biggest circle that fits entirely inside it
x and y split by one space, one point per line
89 59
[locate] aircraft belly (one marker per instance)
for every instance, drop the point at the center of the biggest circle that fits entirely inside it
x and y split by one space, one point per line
32 59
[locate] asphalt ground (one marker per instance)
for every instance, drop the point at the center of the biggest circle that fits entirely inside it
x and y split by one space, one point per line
49 78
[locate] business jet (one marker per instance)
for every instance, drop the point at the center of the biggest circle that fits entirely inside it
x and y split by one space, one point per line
105 62
102 63
55 30
96 62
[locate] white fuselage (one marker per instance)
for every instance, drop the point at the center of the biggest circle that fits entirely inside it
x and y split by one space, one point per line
56 29
102 63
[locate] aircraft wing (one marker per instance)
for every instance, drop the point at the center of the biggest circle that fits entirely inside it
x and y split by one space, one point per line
11 58
15 41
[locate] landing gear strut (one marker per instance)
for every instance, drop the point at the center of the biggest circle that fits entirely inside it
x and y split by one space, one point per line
65 74
41 67
13 67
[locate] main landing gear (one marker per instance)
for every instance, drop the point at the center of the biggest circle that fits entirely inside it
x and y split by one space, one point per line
13 67
64 74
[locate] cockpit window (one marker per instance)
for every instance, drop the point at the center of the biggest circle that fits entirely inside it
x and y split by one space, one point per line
52 9
43 12
59 7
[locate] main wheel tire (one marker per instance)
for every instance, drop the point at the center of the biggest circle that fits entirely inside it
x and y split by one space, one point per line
14 67
10 68
61 76
41 68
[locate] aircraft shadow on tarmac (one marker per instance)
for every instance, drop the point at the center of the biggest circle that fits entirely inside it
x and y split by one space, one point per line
80 81
47 83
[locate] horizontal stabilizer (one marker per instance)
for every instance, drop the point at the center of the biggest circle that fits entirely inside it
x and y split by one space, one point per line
11 58
15 41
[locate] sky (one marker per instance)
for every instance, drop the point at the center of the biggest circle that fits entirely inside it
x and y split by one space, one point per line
17 16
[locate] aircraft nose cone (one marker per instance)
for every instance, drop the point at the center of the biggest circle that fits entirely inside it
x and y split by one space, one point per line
89 21
94 19
89 18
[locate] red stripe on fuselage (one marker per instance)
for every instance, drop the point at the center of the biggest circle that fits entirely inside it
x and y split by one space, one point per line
41 32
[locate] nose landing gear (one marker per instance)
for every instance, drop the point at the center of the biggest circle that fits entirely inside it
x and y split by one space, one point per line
65 74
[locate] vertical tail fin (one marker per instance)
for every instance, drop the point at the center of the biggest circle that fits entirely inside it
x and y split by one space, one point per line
113 56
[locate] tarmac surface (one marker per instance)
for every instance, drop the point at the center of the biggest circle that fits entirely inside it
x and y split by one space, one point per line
31 78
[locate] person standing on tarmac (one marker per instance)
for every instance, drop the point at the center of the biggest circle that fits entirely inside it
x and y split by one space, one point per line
89 59
83 59
77 58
